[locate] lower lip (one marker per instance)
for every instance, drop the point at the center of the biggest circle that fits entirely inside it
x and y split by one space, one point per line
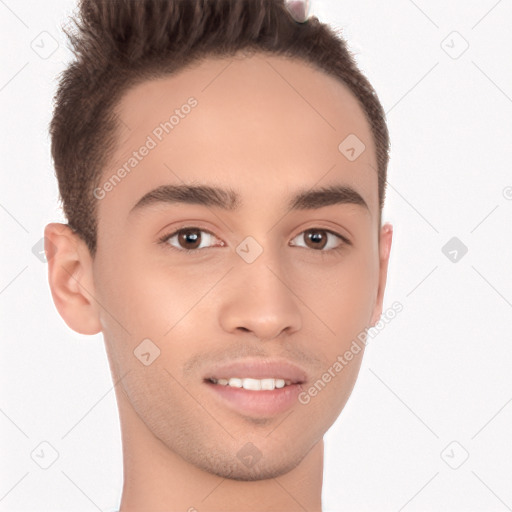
261 403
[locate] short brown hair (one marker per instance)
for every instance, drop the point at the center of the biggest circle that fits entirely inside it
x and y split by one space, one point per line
120 43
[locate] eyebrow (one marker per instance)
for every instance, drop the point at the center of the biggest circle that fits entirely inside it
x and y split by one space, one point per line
228 199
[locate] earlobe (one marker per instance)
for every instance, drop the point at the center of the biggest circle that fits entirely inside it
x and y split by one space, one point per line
70 278
386 237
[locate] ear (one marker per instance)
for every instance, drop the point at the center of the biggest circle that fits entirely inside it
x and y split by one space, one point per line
71 278
386 236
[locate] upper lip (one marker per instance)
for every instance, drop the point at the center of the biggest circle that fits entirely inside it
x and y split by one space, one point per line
258 369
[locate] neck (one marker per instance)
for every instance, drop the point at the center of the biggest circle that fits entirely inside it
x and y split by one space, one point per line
156 478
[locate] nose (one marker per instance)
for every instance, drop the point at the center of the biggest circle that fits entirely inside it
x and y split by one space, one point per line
259 298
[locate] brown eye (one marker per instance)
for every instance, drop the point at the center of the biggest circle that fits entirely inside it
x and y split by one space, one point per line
188 239
321 240
315 238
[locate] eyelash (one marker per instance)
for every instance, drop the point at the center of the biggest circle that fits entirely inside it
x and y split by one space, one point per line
165 239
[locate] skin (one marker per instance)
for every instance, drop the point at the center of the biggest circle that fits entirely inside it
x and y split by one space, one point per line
254 133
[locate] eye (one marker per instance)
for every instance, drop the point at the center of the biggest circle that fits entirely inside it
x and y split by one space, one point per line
192 238
318 239
188 239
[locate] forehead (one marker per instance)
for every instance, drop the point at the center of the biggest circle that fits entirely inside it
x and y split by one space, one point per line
264 126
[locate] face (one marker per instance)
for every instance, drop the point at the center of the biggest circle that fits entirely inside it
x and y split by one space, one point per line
267 273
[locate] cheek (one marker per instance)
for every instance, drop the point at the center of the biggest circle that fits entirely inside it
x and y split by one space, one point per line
343 300
350 299
341 294
144 296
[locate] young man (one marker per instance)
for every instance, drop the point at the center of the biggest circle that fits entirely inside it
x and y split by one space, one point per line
222 167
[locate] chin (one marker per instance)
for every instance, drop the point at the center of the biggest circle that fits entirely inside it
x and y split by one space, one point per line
227 465
258 472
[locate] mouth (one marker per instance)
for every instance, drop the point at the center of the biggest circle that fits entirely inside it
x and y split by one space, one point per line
256 388
253 384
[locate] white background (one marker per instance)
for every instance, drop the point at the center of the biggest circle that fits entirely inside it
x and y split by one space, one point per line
439 372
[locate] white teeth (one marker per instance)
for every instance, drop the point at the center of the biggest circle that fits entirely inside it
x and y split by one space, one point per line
268 383
235 383
253 384
280 383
